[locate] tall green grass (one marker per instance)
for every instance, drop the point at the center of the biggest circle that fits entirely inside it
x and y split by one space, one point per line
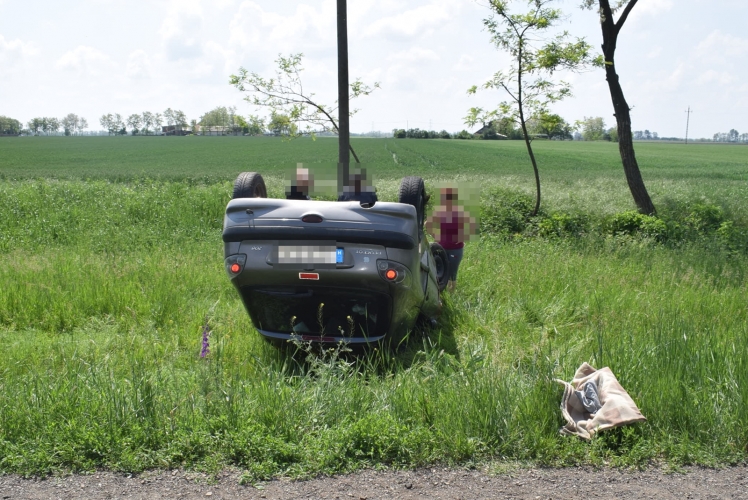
106 286
575 176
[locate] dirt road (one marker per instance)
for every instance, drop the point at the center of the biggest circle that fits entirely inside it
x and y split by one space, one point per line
438 484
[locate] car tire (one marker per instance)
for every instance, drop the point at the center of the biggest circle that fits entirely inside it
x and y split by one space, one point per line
441 261
413 192
249 185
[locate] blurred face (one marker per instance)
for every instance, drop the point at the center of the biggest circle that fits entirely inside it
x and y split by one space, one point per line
448 196
302 178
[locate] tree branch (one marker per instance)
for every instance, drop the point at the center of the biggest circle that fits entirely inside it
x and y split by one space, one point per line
624 15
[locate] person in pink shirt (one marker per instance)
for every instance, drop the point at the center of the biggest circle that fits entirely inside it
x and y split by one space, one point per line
451 225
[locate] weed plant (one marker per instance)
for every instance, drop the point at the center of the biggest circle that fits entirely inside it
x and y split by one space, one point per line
109 287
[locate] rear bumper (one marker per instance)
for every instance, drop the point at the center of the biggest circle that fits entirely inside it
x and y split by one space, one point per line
284 337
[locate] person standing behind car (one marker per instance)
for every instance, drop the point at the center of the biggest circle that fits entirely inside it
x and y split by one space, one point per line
301 186
451 224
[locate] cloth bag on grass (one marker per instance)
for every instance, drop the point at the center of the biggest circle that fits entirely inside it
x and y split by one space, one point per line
595 401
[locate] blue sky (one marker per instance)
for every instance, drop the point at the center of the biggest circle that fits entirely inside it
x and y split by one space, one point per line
92 57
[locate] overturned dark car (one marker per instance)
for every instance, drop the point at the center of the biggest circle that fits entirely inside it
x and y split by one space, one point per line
332 271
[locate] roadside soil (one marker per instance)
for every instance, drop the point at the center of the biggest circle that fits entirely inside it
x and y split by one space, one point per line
438 483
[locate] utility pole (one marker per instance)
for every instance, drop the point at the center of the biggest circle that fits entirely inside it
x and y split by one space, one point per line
688 119
344 140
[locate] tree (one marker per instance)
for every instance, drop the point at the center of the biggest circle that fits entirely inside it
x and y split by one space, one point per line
281 124
147 119
107 122
236 122
612 134
157 121
610 30
119 125
215 120
35 125
536 56
10 126
552 125
255 125
284 95
70 124
169 117
45 125
593 129
134 122
82 125
180 120
53 125
733 135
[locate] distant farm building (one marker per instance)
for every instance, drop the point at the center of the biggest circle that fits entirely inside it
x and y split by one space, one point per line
176 130
488 128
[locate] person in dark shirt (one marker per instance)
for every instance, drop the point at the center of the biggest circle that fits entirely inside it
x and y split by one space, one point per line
451 224
300 187
359 189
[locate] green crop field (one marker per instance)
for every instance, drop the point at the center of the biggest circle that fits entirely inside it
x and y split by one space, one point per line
111 271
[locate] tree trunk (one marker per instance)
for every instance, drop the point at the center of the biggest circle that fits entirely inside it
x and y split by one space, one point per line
534 168
626 145
621 109
524 133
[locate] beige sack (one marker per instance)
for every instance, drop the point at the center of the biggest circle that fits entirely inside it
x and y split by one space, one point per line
595 401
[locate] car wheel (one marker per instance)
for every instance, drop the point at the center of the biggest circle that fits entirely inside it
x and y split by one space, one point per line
441 261
413 192
249 185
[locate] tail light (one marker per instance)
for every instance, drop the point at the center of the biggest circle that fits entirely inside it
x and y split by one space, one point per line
394 272
235 264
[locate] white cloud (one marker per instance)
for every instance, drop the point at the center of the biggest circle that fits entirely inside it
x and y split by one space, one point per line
86 61
255 29
213 66
415 22
652 7
655 52
720 45
406 71
14 53
711 76
647 9
664 81
181 30
138 65
465 63
415 55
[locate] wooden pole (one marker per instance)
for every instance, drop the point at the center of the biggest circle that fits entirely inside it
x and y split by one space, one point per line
343 110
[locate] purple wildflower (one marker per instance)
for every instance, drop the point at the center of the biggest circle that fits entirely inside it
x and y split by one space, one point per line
206 344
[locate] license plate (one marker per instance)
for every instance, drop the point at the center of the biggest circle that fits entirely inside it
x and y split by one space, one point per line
309 254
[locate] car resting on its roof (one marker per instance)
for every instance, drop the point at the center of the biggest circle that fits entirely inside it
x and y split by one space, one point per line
332 271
